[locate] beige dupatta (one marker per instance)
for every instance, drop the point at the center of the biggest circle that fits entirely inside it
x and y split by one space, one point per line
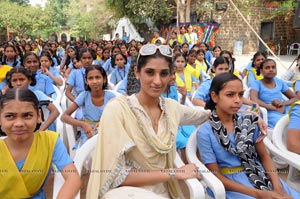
121 141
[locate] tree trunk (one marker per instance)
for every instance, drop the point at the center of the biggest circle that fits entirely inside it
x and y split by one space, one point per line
181 10
188 11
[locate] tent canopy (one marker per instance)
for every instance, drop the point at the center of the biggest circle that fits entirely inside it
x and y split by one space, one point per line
124 25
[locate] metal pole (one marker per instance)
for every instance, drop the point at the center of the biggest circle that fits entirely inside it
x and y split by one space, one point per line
260 39
177 17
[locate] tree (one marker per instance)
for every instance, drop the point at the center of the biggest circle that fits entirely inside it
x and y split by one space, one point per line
20 2
89 19
158 11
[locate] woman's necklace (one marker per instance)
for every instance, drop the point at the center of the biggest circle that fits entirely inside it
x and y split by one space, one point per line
143 127
154 119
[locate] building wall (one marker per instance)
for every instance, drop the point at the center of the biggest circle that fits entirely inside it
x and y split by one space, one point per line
233 28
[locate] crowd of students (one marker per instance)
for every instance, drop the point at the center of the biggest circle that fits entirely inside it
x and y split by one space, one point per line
134 96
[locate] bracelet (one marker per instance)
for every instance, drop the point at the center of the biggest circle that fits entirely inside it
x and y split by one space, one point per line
172 173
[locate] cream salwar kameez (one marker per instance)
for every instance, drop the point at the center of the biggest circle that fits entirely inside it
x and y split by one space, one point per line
127 140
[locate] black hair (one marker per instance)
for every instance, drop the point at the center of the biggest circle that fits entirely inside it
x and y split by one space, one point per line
46 54
21 94
86 50
258 70
175 57
142 61
54 55
220 60
215 47
113 60
257 54
204 59
133 84
29 54
218 83
113 48
106 49
103 73
131 46
185 54
112 63
177 47
206 45
15 57
68 58
23 71
232 59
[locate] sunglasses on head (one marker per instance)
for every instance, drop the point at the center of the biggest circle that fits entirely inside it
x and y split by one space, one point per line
150 49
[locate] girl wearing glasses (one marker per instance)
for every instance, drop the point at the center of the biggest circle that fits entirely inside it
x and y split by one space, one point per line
139 148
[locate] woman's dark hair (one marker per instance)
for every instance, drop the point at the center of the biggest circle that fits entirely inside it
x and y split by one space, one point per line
215 47
68 59
232 59
15 57
21 94
54 55
143 60
220 60
103 73
175 57
113 48
257 54
29 54
113 60
130 49
258 70
205 61
218 83
86 50
133 84
206 45
21 70
46 54
177 48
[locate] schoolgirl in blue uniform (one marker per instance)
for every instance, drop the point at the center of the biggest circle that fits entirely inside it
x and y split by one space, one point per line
10 57
230 145
121 68
44 83
268 92
49 69
108 66
92 102
22 77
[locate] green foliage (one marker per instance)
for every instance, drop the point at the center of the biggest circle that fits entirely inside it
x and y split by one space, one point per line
159 11
20 2
89 20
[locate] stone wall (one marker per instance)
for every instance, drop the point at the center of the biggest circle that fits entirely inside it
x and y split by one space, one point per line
233 28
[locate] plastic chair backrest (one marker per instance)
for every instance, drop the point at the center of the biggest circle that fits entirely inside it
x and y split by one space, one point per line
208 178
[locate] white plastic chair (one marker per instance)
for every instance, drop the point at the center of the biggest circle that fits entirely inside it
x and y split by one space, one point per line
245 82
63 86
208 178
196 190
79 160
294 47
58 94
279 140
71 140
118 85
